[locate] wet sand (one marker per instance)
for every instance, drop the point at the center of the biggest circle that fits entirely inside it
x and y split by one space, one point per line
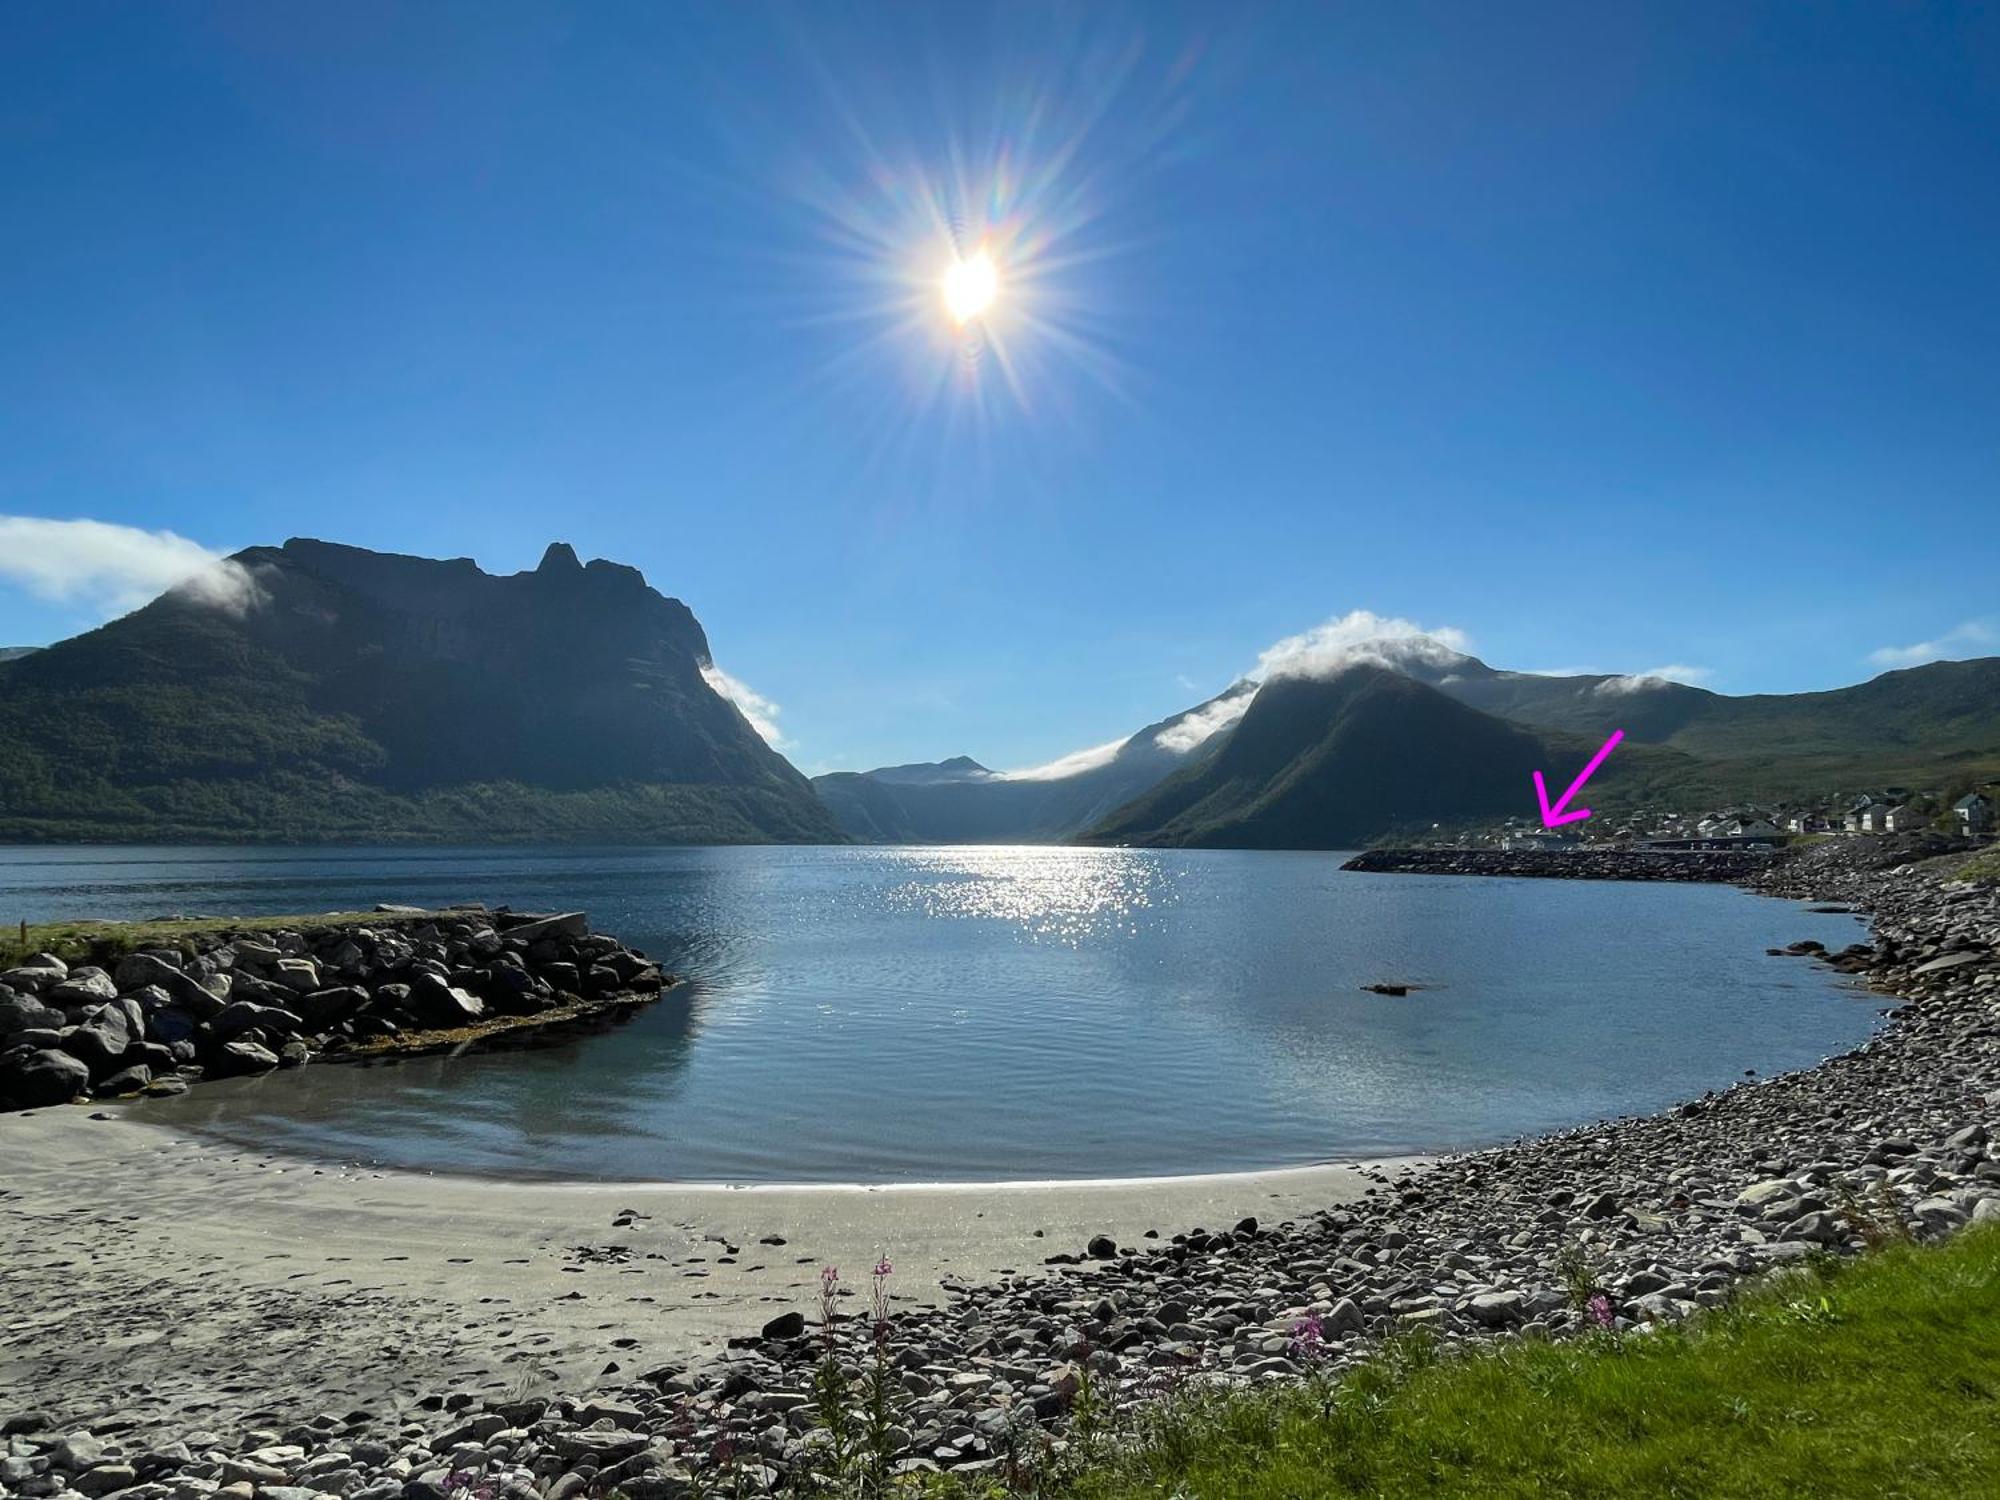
154 1277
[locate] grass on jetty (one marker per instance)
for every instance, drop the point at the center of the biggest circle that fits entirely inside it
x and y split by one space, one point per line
1877 1377
101 939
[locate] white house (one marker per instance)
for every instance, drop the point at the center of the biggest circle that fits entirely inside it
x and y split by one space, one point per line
1874 818
1974 813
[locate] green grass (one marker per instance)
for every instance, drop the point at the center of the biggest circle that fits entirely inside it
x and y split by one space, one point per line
1874 1378
1985 866
97 941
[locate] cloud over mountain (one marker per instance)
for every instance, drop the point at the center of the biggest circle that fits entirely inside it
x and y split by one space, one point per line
1969 638
1360 635
113 569
753 705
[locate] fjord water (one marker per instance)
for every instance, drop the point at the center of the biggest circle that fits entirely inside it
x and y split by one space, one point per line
979 1013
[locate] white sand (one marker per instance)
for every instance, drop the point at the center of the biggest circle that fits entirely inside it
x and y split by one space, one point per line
170 1278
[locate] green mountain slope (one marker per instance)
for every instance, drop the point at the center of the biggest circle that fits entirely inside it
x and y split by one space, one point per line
1324 763
1939 708
363 695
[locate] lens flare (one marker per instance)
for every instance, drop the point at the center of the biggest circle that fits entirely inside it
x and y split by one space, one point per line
970 285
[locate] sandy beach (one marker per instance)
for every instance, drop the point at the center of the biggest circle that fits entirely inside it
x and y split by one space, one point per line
154 1278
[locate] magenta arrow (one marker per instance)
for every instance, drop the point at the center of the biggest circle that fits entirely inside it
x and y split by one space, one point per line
1555 817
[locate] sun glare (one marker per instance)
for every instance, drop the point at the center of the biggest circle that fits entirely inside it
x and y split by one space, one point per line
970 286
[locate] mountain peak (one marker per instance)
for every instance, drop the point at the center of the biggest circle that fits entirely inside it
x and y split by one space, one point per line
561 560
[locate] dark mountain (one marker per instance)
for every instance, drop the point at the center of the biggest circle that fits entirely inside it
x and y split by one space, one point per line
959 801
9 653
1332 762
338 693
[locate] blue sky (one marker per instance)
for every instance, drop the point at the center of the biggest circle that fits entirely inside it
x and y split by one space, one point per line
1611 336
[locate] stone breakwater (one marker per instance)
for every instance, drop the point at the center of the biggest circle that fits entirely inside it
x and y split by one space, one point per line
1570 864
229 1001
1663 1215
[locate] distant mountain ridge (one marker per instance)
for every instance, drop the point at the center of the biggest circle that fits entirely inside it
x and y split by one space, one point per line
343 693
959 801
1355 757
1351 758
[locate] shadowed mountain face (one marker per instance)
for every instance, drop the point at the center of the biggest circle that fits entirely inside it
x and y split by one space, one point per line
959 801
353 694
1331 762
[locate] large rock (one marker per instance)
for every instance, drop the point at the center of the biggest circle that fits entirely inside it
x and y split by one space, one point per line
36 1078
571 924
239 1016
130 1080
1496 1309
105 1036
299 974
436 1003
324 1009
149 966
240 1058
25 1012
514 991
84 986
138 971
168 1024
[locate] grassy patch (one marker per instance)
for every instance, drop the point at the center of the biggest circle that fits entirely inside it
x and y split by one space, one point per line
96 941
1982 867
1875 1378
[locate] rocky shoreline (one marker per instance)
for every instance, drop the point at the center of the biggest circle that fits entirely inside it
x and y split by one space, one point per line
226 1000
1570 864
1661 1215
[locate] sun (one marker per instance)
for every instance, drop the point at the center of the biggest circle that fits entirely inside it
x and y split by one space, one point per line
970 285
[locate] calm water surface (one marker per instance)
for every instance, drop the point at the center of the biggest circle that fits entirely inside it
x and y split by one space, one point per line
983 1013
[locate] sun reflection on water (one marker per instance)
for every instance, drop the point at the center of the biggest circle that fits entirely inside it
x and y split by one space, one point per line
1059 896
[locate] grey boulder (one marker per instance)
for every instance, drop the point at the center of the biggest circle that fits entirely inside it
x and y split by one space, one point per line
84 986
240 1058
43 1077
24 1013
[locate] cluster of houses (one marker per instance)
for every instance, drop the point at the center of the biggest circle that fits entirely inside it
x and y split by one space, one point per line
1896 811
1891 810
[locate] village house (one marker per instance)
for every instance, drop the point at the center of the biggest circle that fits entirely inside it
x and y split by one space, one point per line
1872 818
1909 818
1974 812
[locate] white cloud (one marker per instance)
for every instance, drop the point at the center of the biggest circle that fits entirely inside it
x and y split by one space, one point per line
1204 723
1971 638
1361 635
753 705
1656 677
1073 764
112 570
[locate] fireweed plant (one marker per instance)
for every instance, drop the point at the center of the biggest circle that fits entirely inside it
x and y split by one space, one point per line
862 1436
